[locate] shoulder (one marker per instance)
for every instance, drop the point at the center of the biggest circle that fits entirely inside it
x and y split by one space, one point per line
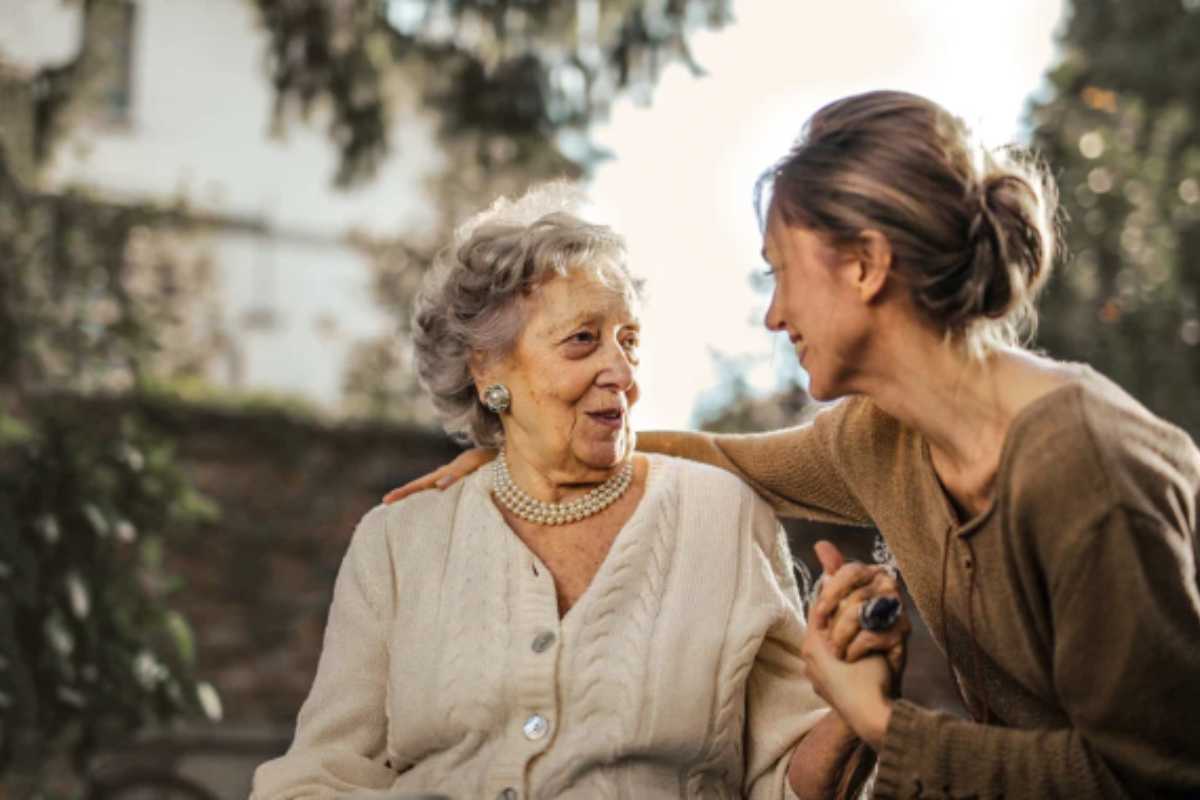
716 497
422 516
687 473
705 484
1089 448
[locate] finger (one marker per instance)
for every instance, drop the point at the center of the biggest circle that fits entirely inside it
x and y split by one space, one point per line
837 586
880 642
844 628
470 460
412 487
897 658
829 556
815 648
886 582
867 643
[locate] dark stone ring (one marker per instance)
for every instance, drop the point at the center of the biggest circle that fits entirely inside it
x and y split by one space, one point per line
879 613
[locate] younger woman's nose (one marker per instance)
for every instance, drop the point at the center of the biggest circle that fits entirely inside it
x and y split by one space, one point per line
774 318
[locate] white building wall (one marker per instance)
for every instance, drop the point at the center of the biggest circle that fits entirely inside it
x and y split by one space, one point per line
199 133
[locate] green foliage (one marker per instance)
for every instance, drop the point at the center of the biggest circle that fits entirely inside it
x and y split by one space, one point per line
90 645
88 642
1121 130
512 72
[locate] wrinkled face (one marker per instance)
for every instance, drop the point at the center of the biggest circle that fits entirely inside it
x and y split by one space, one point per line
573 377
815 304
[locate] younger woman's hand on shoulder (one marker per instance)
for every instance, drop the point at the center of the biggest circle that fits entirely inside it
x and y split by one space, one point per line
463 465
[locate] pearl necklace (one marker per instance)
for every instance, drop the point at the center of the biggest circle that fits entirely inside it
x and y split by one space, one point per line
527 507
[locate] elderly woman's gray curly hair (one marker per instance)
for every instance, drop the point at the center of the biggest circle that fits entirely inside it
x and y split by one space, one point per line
471 302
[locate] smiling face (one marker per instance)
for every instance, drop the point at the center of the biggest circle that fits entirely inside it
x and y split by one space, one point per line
817 303
573 380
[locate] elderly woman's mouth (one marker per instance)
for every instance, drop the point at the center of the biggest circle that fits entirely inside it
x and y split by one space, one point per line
609 418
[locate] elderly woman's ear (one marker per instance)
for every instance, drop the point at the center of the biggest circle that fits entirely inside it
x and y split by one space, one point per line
477 364
492 392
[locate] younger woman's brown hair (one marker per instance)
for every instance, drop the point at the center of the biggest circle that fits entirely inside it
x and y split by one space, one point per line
972 232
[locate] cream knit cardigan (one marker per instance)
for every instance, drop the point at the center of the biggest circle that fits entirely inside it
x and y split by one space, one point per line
676 675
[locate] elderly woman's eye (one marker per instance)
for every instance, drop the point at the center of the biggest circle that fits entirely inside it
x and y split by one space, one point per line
581 337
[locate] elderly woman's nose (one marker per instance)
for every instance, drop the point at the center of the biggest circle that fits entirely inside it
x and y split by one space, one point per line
619 370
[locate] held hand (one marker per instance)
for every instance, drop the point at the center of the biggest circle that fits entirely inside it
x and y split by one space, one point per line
844 590
467 462
858 691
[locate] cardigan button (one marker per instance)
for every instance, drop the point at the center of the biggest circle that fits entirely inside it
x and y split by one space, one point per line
541 642
508 793
535 727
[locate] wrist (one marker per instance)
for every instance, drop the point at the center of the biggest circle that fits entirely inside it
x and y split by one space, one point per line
874 724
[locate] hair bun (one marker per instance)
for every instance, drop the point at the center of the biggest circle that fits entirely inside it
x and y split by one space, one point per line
1010 242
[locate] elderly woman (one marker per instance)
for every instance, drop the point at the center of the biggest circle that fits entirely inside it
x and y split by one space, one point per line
1045 521
578 621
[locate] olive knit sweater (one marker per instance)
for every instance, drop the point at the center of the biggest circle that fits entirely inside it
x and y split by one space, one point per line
1069 610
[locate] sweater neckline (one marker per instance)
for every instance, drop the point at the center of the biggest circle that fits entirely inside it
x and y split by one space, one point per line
644 510
1023 418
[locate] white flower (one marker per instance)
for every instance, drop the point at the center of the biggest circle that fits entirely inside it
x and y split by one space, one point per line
47 525
133 457
147 670
96 518
60 639
210 701
77 592
125 531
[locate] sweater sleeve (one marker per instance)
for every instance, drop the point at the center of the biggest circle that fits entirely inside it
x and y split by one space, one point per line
1126 667
781 705
340 741
798 470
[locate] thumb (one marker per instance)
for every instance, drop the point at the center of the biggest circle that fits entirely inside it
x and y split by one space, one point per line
830 557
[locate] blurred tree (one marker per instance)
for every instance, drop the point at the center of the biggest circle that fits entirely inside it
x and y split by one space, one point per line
379 381
516 75
1121 130
732 405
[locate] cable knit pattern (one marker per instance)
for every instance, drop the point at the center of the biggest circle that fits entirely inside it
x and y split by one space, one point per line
615 670
676 675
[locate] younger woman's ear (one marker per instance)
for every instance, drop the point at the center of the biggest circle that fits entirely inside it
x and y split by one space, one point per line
874 264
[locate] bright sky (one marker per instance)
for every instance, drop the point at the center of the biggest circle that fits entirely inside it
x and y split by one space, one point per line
680 186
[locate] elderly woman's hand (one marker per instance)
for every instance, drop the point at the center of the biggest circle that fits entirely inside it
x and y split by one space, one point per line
837 610
463 465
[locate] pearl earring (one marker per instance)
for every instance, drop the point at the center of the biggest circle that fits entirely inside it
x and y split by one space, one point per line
497 398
